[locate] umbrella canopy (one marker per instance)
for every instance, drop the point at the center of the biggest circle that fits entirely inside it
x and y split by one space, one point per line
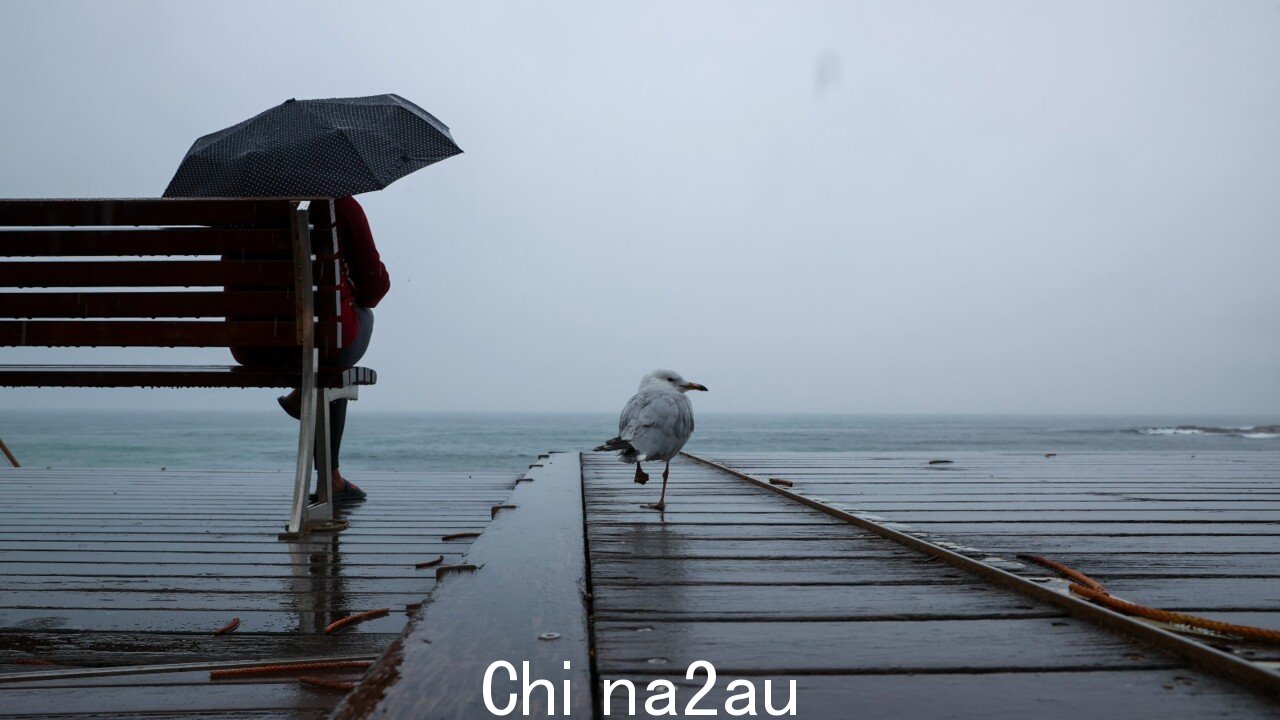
315 148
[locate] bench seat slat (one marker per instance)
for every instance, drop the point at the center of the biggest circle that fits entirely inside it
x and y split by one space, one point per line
156 333
215 304
264 212
151 241
161 273
175 376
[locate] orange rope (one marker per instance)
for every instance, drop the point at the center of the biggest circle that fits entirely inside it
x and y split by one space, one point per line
430 563
1245 631
35 661
1076 575
235 623
327 683
358 617
269 669
1086 586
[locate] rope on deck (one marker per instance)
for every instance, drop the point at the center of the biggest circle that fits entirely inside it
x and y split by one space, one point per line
290 667
326 683
352 619
1087 587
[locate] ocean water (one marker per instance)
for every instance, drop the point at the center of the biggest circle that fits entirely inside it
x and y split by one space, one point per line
493 441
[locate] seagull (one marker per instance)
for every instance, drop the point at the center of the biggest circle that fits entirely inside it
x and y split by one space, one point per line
654 425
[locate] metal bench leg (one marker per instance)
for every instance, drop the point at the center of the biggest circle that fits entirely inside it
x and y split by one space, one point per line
302 478
308 516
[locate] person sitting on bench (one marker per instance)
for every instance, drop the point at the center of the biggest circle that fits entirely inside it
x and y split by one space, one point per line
363 283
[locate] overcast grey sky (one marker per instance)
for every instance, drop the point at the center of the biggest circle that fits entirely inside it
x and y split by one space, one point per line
807 206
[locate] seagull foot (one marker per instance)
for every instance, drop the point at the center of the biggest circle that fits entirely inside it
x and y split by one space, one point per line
655 506
642 477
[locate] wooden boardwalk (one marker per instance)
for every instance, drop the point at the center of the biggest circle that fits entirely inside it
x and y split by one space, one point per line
760 584
103 571
766 588
1197 534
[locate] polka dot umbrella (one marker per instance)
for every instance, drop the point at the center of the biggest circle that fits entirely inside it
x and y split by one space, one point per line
315 148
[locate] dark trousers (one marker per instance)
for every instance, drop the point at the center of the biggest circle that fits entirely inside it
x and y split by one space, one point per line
349 356
337 423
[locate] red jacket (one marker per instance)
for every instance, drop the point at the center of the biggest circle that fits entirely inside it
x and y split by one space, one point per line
363 281
364 278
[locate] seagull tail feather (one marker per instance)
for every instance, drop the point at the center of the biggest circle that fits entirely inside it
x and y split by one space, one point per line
615 444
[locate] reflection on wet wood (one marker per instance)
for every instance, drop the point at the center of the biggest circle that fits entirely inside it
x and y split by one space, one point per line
523 602
92 576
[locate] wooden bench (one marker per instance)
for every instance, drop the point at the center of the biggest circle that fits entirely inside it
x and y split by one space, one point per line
125 273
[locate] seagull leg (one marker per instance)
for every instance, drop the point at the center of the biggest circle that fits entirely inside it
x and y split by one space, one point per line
641 476
662 499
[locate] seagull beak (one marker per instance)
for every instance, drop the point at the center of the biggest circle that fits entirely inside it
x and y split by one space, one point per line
695 386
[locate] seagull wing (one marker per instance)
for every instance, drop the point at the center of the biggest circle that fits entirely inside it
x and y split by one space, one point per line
657 424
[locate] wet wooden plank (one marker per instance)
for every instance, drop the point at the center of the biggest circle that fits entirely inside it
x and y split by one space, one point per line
364 547
357 550
1221 593
939 507
293 714
89 578
1098 515
134 700
609 570
1174 565
112 649
215 563
309 618
1157 693
902 646
524 602
730 518
810 602
774 550
1137 545
1259 530
29 590
1192 534
231 601
177 679
683 532
764 597
260 575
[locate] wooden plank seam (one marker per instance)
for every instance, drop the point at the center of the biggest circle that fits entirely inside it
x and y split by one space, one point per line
1253 675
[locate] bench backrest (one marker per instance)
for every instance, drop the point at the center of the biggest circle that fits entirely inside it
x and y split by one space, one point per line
170 273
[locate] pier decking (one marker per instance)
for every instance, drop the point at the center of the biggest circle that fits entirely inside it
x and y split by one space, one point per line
108 571
807 584
1192 533
765 588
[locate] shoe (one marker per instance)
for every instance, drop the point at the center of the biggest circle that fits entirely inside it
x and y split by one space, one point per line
290 409
348 493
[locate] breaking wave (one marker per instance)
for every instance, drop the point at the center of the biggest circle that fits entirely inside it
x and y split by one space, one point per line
1254 432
